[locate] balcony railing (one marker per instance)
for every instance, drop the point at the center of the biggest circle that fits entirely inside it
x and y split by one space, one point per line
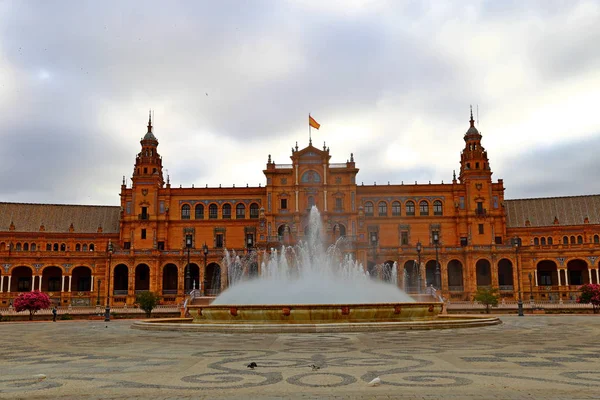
144 217
169 291
480 212
456 288
506 288
120 292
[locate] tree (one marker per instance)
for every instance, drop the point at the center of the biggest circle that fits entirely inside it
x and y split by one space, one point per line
32 302
487 296
590 293
147 301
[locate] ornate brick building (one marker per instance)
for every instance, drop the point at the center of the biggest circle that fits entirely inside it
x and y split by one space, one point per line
466 225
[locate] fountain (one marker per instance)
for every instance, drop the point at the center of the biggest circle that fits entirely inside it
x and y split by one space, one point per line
309 274
307 288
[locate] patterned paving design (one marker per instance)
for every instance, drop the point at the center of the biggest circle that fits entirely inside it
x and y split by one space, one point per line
529 357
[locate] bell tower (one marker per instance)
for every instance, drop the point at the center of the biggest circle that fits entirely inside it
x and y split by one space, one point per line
476 179
148 163
473 160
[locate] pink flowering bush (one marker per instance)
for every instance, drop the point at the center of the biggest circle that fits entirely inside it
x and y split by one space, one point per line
590 293
32 302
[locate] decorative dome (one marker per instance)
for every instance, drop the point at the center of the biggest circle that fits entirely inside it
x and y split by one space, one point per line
149 135
472 132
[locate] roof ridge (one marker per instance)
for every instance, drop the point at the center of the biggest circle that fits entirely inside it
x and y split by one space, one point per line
555 197
56 204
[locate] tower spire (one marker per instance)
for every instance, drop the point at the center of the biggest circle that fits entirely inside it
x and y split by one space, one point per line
150 121
472 121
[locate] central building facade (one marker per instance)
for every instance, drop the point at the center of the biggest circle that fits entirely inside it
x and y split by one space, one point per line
455 236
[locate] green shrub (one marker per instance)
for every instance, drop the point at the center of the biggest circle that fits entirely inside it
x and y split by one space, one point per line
66 317
147 301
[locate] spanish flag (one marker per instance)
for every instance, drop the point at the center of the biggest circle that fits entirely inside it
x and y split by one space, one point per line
312 122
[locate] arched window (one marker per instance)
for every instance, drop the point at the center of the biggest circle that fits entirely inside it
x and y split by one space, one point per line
536 241
565 240
92 247
410 207
63 247
423 208
213 211
396 209
437 208
240 211
369 209
253 210
550 240
84 248
579 239
310 177
199 211
543 241
382 208
18 247
572 239
55 247
226 211
77 247
596 239
25 246
339 230
311 202
185 211
33 247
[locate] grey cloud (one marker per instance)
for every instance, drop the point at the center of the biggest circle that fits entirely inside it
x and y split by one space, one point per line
193 56
563 169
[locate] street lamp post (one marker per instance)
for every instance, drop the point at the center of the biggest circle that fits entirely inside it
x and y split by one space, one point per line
436 240
205 251
374 246
516 244
107 309
99 285
530 288
188 245
418 275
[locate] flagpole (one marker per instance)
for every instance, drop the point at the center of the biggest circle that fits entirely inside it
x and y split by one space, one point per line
309 132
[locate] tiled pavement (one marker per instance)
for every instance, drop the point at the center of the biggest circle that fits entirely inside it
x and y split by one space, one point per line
552 357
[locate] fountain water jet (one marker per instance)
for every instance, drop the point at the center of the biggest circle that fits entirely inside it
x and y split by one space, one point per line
308 274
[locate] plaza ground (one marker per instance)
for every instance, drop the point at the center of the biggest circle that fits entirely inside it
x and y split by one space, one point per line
549 357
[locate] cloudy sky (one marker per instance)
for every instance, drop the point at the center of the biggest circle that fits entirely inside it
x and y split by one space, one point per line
233 81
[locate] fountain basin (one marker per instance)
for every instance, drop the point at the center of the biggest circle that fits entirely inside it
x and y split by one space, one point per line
441 322
313 313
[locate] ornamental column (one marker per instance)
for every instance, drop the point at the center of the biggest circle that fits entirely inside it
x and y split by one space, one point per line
1 283
40 284
62 287
597 277
559 282
32 282
535 275
70 276
8 288
92 288
566 277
